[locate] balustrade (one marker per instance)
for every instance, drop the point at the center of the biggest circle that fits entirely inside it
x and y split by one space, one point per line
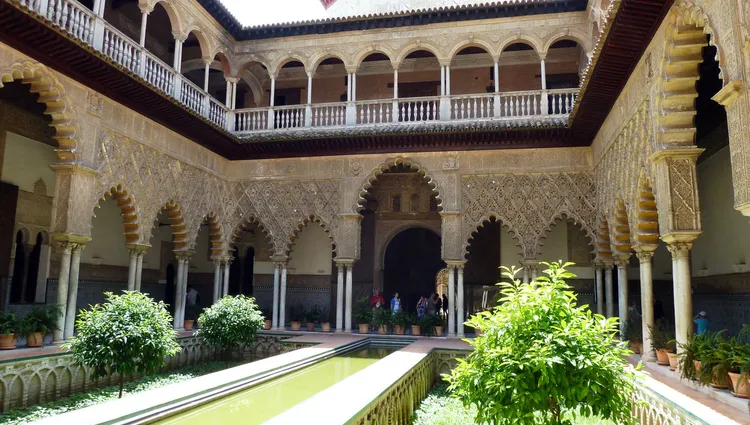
292 116
251 119
520 104
217 112
328 114
192 96
121 49
477 106
375 111
70 16
419 109
159 74
562 101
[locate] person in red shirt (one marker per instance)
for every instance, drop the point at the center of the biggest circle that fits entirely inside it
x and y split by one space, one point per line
377 301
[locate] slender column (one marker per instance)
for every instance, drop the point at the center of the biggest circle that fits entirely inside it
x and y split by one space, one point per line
228 97
525 274
217 280
647 302
144 21
185 274
448 80
395 83
309 87
139 269
177 64
545 103
271 115
206 70
451 300
340 298
179 297
534 272
394 106
62 291
460 302
354 86
227 263
496 97
622 290
132 269
273 91
442 80
348 316
497 76
282 297
276 279
348 86
234 94
683 297
599 288
530 268
544 76
608 288
75 267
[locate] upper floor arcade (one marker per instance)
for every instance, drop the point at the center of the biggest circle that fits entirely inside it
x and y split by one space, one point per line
518 71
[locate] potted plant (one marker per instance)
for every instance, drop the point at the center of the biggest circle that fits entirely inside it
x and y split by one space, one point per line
427 324
400 321
296 316
715 362
39 322
416 330
662 341
8 329
739 362
381 318
363 315
267 317
439 326
634 334
311 317
191 313
325 324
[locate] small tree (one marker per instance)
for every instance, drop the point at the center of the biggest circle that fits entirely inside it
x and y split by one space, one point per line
130 333
539 357
232 321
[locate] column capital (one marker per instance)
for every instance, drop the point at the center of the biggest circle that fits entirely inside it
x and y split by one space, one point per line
352 69
70 242
310 73
607 263
183 255
344 261
495 59
178 36
280 259
458 264
445 61
145 8
137 249
680 249
598 264
622 260
644 256
676 153
530 263
395 65
233 80
207 60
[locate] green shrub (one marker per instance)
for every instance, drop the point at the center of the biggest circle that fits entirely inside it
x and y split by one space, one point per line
130 333
8 323
363 312
40 319
662 336
540 357
229 323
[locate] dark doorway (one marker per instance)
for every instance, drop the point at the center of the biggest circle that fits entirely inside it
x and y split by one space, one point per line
33 272
247 281
412 261
235 274
19 267
169 289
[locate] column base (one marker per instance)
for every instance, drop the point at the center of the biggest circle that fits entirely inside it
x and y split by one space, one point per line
58 342
648 358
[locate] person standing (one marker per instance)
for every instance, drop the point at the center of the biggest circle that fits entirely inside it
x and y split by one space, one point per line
439 305
431 305
701 323
377 301
395 304
421 307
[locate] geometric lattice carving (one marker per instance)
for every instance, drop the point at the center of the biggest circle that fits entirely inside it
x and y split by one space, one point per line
528 204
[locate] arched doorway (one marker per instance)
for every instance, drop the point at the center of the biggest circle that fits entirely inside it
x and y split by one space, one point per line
412 261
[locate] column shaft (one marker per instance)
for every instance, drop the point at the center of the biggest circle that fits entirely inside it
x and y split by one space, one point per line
309 88
207 70
144 21
275 313
395 83
683 297
442 80
460 302
178 298
609 290
139 271
647 303
228 96
497 78
354 86
448 80
75 267
62 292
282 298
217 280
340 298
599 290
132 270
226 278
348 317
451 300
622 294
544 76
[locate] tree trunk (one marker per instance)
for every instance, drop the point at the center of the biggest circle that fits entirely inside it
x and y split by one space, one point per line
122 383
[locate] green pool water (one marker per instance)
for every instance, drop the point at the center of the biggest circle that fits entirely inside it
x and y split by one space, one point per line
261 403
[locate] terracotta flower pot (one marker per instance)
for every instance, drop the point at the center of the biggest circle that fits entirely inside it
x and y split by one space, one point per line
295 325
34 340
399 330
364 328
438 331
720 383
188 324
268 325
310 326
382 329
8 342
661 357
415 330
636 347
325 326
739 385
697 364
673 361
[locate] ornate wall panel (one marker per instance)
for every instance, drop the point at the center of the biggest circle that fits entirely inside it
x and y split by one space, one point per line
528 204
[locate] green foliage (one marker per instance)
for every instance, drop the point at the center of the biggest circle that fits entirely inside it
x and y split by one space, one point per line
363 311
381 317
297 313
41 319
713 360
8 323
313 316
400 318
20 416
427 324
230 322
440 408
540 357
325 316
697 347
662 336
633 329
130 333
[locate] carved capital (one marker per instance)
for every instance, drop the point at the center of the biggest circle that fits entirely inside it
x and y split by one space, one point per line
183 255
644 256
137 250
680 249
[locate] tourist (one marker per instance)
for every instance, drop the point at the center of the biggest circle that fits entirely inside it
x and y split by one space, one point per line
701 323
395 303
192 296
431 305
445 306
438 304
421 307
377 301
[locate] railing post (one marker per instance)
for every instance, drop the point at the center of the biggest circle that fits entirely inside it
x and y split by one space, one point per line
42 8
231 117
98 39
177 86
394 112
445 108
142 63
351 113
496 105
545 103
271 121
308 115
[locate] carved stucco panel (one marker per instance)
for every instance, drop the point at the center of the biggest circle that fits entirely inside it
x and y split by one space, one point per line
738 126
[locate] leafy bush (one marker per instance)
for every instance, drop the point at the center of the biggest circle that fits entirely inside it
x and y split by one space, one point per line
363 312
229 323
41 319
540 357
662 336
313 316
400 318
130 333
381 317
633 329
8 323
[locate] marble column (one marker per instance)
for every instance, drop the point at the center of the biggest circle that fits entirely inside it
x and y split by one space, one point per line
217 280
75 268
227 264
451 300
62 291
525 274
647 301
144 22
622 290
132 269
179 297
683 297
282 297
185 274
599 288
609 288
340 298
139 269
276 281
348 315
460 301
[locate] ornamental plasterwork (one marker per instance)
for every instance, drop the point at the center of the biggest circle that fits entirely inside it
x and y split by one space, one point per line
528 204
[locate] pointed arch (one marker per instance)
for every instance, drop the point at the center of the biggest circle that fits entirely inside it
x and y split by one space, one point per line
51 93
128 209
373 175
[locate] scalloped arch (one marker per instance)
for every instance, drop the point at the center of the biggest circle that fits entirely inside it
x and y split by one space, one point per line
563 217
252 219
51 93
373 175
314 219
504 223
128 209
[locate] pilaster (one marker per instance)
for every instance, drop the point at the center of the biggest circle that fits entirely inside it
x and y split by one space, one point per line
451 236
676 180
